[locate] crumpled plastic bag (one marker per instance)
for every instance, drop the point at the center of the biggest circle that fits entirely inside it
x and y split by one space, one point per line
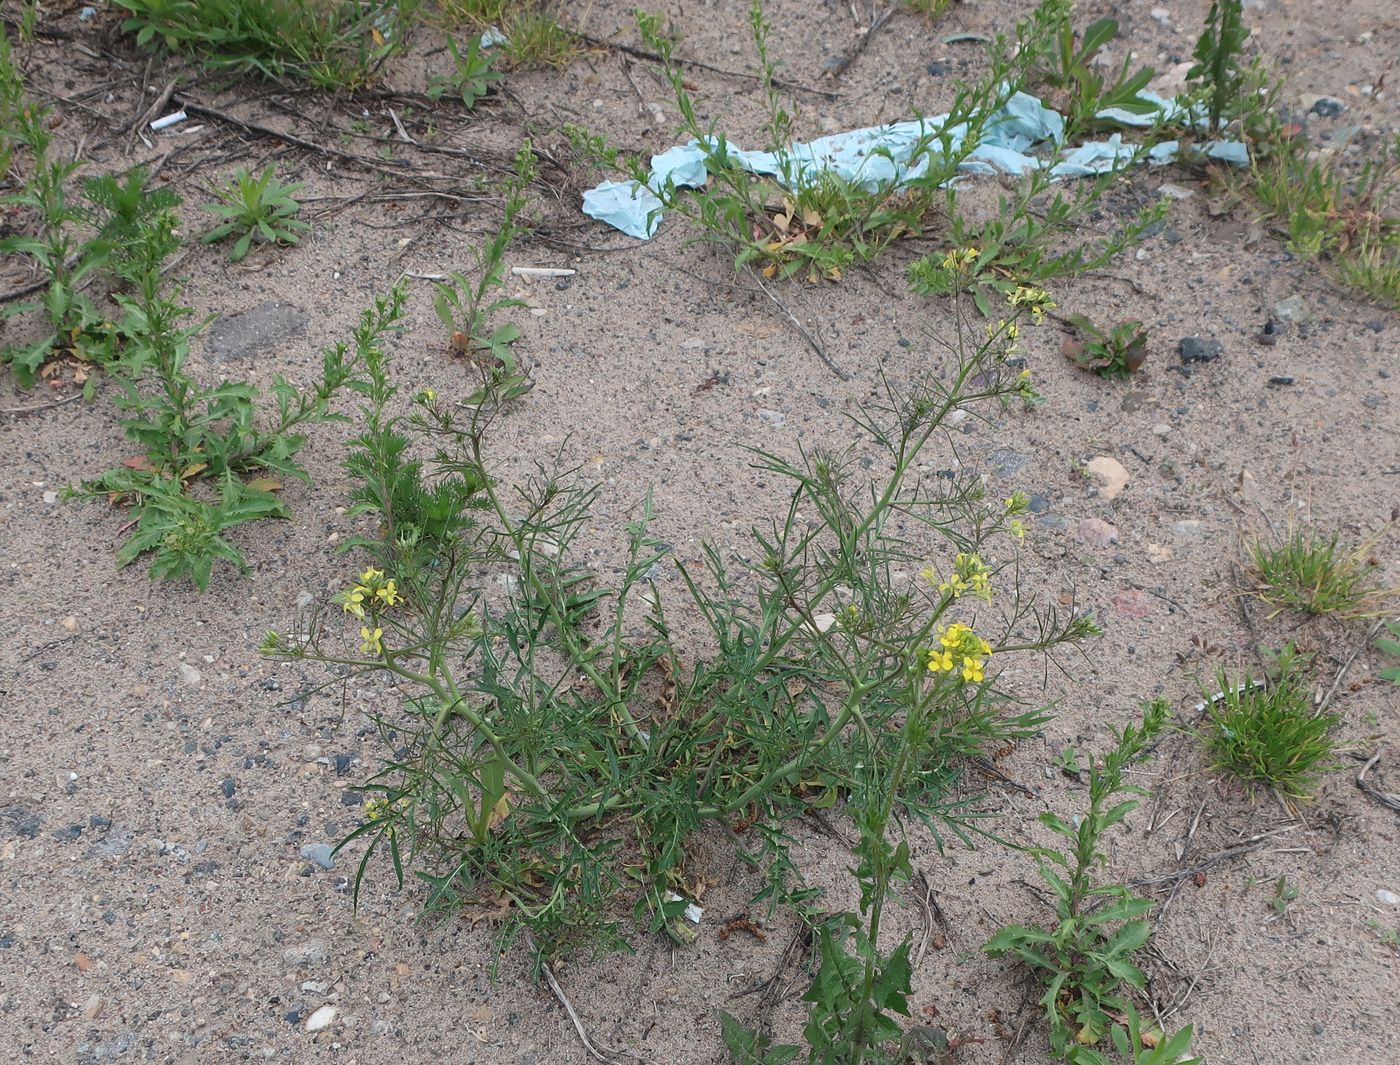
897 154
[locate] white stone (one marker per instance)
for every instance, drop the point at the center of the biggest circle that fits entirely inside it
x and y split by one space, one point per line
321 1019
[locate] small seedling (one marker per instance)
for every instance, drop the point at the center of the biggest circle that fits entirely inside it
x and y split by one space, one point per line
1389 936
260 208
1391 647
1085 960
1116 351
1284 893
471 78
1268 733
1315 575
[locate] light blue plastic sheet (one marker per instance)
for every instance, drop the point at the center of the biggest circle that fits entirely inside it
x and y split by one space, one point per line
897 154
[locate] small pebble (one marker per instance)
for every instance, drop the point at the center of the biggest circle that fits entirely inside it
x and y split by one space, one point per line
1188 531
1387 898
189 674
321 1019
306 954
1097 532
1196 349
1281 379
320 853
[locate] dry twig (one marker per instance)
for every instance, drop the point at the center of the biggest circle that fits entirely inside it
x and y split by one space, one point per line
1385 798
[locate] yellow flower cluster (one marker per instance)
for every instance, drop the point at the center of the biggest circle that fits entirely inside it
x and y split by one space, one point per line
377 807
959 649
970 576
1034 299
961 258
1017 503
372 591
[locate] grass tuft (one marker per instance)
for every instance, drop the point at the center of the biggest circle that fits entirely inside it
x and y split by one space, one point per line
534 36
1267 733
1316 575
332 44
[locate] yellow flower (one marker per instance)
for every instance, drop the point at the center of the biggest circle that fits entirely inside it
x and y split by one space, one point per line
940 661
353 601
1018 503
389 594
371 575
428 395
1018 530
373 642
960 258
972 669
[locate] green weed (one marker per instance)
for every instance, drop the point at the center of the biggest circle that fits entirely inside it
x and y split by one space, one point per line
1316 575
1081 88
466 306
208 462
1284 895
1221 80
1023 244
65 261
1389 936
472 75
1267 732
11 103
1349 221
553 751
1086 958
1112 351
260 208
330 43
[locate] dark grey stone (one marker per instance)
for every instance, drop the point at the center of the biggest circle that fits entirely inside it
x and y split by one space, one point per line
1196 349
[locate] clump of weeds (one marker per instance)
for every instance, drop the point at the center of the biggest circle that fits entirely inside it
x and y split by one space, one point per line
256 208
533 772
1314 574
1109 351
1267 732
1085 960
333 44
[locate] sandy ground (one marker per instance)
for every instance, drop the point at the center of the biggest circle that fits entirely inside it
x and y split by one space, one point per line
157 786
